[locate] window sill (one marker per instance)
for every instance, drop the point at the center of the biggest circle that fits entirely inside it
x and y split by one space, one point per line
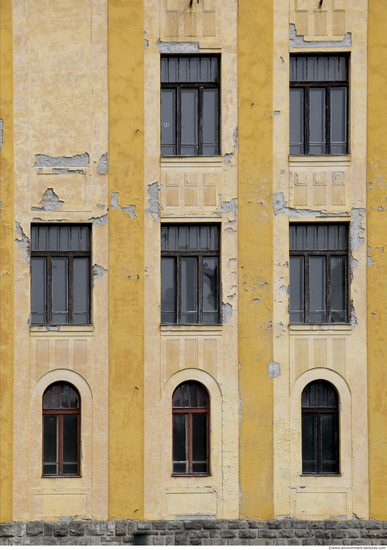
61 328
339 327
321 475
190 475
319 160
191 328
61 476
214 160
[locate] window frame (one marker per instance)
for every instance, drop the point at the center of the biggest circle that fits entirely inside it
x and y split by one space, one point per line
70 254
190 412
327 85
321 410
200 254
328 298
61 413
200 86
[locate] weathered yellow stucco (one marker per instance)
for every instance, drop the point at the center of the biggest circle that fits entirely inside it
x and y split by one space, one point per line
255 60
6 261
377 263
126 259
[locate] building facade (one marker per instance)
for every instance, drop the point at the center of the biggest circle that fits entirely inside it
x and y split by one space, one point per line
192 272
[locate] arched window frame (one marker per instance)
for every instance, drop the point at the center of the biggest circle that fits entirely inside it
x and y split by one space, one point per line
181 409
320 411
61 412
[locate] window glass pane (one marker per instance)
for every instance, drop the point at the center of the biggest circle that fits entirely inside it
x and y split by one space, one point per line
173 238
179 437
54 238
59 290
311 237
73 399
343 73
81 290
65 396
164 238
296 289
183 237
168 290
202 397
184 395
322 237
296 121
164 69
194 395
199 437
189 293
180 468
172 69
194 237
210 290
333 67
338 121
75 238
70 438
305 397
301 237
56 396
312 68
168 124
322 394
313 394
176 398
204 69
194 69
70 468
309 442
328 438
322 68
338 294
204 237
64 237
50 439
43 236
84 238
214 238
317 121
210 122
214 69
183 69
292 237
342 237
293 69
332 397
47 400
50 469
301 68
34 237
189 122
317 295
200 467
38 290
333 241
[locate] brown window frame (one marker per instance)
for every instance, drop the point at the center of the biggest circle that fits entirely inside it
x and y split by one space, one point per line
328 254
61 413
327 85
200 86
320 411
70 254
190 412
200 254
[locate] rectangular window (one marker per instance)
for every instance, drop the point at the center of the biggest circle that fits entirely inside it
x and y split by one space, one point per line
190 274
318 105
318 279
190 105
60 274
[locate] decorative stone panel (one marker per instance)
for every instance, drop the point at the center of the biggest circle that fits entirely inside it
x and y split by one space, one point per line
314 22
190 21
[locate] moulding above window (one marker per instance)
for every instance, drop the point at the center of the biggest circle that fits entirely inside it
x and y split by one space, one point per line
215 330
298 41
189 161
63 330
323 160
329 327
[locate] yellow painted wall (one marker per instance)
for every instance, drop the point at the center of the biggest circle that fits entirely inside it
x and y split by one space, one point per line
255 58
126 259
377 258
6 261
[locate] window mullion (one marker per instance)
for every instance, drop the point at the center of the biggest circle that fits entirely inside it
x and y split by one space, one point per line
49 290
70 295
178 120
306 289
319 444
328 120
328 291
200 121
199 296
190 470
178 289
306 119
60 445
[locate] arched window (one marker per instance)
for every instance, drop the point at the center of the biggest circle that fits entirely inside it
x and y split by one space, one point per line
190 411
320 428
61 430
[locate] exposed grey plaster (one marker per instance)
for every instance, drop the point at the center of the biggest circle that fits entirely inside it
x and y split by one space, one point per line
230 207
256 300
276 113
103 164
23 243
356 241
98 271
281 326
228 156
299 41
230 229
226 312
284 288
76 161
1 204
280 207
353 318
99 221
50 202
1 132
373 314
54 329
127 209
370 262
153 201
65 171
100 206
232 259
177 47
146 43
274 369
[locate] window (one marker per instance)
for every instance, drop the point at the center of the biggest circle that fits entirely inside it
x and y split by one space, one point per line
190 105
318 110
60 274
318 289
320 429
190 412
190 274
61 430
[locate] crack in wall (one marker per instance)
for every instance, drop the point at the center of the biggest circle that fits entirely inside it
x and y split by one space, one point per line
127 209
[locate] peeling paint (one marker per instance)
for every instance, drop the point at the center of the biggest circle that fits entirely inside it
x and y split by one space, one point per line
50 202
357 215
101 220
177 47
230 229
256 300
66 171
127 209
23 243
228 156
100 206
103 164
153 201
227 311
276 113
98 271
281 326
353 317
146 43
77 161
232 259
299 41
1 132
274 369
229 207
280 208
370 262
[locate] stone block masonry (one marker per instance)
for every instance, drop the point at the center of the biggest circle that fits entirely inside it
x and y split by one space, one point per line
196 533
